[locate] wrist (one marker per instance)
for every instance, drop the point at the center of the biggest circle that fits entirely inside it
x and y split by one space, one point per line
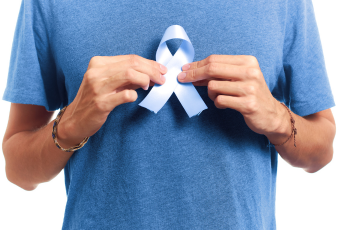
283 128
66 135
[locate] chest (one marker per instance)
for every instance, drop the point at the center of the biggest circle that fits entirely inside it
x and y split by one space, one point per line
83 29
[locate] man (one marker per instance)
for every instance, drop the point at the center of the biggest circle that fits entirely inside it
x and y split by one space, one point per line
141 170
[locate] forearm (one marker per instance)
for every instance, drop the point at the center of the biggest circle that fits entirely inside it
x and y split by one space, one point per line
314 139
32 157
237 82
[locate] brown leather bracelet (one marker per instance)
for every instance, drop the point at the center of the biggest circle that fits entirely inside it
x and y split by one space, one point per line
54 136
293 129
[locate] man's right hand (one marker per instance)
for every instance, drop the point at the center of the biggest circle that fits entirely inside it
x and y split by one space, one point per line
107 83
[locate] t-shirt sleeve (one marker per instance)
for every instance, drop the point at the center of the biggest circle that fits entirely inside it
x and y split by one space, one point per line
32 70
303 60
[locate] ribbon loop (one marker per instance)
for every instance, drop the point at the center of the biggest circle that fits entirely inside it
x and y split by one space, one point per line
185 92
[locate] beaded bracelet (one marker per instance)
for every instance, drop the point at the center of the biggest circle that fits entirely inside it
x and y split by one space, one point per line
293 129
56 122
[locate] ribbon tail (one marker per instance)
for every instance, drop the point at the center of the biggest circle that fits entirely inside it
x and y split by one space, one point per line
190 99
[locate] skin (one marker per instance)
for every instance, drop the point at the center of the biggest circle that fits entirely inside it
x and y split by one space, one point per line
107 83
234 82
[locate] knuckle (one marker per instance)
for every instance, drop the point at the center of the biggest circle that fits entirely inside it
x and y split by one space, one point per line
129 74
236 84
212 58
251 89
219 102
212 85
238 87
134 95
134 60
190 74
90 74
94 60
211 69
251 106
253 73
94 89
155 65
129 95
195 65
132 56
126 95
252 60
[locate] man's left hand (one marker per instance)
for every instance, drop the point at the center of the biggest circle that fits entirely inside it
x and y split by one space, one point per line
236 82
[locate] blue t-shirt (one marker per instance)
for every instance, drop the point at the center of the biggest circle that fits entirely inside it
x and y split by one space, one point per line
167 171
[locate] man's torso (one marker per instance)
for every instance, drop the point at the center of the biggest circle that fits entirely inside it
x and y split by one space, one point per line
165 171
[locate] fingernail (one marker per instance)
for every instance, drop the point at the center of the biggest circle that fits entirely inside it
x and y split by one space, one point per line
182 75
185 67
146 88
162 78
163 68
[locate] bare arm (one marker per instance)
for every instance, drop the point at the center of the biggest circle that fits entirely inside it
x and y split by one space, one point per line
314 141
30 153
236 82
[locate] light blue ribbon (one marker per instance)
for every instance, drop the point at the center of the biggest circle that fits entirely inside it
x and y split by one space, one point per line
185 92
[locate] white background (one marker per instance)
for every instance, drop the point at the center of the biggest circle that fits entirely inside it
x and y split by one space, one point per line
328 199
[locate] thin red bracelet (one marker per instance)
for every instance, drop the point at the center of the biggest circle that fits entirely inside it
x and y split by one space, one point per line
294 130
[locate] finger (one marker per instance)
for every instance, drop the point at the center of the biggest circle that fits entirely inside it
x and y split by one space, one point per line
102 72
106 60
245 105
231 88
130 76
150 68
113 69
124 87
224 101
212 95
115 64
241 60
162 69
205 82
133 87
124 96
214 71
